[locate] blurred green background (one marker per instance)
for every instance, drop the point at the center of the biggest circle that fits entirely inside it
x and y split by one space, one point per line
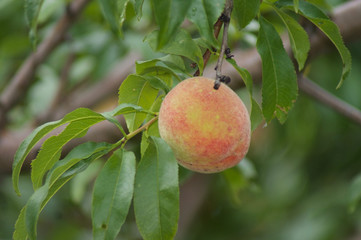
299 179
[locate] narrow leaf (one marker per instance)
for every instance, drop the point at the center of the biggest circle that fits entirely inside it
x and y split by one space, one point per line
332 32
169 15
182 45
51 149
156 193
33 209
355 193
304 7
329 28
138 5
76 161
37 202
245 11
236 183
164 67
87 150
256 113
279 80
20 232
298 38
296 4
114 13
124 108
136 90
113 192
121 109
31 140
158 83
323 4
204 14
32 11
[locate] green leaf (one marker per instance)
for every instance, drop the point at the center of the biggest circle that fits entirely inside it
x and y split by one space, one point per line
298 38
25 148
80 183
332 32
322 4
32 11
256 113
164 67
50 151
169 15
70 173
355 193
204 14
37 202
158 83
245 11
124 108
138 4
121 109
239 178
83 151
33 209
330 29
76 161
156 193
30 141
20 232
236 182
304 7
296 4
114 13
279 80
113 192
182 45
136 90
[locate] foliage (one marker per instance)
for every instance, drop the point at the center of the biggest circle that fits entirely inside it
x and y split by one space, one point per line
152 183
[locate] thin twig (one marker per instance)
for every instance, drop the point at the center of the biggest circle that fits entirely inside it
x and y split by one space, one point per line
142 128
226 16
207 54
25 75
130 135
327 98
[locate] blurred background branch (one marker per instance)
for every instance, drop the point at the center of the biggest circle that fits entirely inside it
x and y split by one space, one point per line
25 75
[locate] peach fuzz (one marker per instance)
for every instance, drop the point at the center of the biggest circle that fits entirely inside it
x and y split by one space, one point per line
207 129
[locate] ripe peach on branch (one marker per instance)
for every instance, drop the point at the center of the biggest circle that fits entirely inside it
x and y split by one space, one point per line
209 130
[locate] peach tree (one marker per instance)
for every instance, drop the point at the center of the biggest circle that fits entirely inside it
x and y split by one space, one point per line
151 182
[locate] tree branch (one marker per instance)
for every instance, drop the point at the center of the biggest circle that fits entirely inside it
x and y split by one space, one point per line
207 54
103 89
226 18
327 98
24 76
61 93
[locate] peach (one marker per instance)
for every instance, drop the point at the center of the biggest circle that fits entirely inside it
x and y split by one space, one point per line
207 129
